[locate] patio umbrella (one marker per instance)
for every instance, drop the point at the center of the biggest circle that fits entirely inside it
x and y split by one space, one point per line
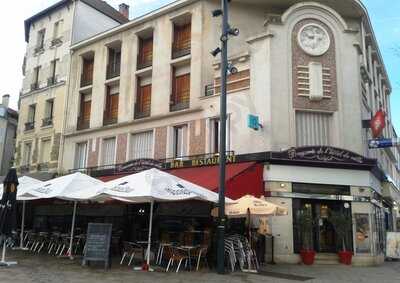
62 188
8 210
25 183
155 186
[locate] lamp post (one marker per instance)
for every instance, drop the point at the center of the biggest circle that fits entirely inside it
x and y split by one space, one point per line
225 68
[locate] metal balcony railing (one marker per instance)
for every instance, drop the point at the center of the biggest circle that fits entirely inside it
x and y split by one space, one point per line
82 124
180 51
141 112
29 126
113 70
144 62
86 80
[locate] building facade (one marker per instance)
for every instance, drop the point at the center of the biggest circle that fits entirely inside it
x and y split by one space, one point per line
310 71
8 131
48 35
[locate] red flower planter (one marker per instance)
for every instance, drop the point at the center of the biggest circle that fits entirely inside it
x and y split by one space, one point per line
345 257
307 256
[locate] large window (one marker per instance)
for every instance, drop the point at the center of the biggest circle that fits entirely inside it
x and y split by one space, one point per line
180 141
141 145
143 98
114 62
215 134
111 108
84 111
52 79
87 71
26 157
145 56
180 97
40 39
108 151
45 151
35 79
48 115
80 155
30 124
313 128
182 39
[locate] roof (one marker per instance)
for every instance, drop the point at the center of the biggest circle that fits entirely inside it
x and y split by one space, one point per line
99 5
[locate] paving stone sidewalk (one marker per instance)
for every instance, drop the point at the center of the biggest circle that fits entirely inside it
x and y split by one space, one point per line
48 269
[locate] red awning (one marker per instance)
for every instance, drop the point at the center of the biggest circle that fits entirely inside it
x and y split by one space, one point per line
241 178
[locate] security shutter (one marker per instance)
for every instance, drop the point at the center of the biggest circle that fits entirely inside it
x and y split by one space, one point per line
313 128
141 145
108 151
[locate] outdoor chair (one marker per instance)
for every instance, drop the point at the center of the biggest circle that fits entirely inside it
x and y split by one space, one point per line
160 252
129 250
201 254
176 255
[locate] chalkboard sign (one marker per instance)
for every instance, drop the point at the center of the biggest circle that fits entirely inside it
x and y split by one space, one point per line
98 241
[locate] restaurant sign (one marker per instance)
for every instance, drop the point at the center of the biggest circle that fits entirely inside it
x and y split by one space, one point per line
199 161
322 154
139 165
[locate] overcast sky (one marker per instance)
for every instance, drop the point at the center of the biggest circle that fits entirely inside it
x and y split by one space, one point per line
384 15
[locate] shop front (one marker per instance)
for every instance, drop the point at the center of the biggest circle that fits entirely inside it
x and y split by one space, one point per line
326 183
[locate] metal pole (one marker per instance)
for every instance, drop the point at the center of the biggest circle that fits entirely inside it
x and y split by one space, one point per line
150 228
72 231
21 242
222 144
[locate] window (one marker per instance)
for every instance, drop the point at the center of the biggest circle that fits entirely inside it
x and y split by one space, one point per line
80 155
313 128
215 133
114 62
57 29
26 158
180 97
45 151
182 40
145 57
48 115
35 81
53 73
30 124
85 108
40 39
143 98
180 141
108 151
111 108
141 145
87 72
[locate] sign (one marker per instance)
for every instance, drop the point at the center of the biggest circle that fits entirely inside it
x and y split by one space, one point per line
393 245
383 143
378 123
200 161
139 165
98 241
253 122
321 154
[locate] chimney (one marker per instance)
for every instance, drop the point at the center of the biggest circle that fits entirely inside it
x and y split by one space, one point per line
6 100
124 10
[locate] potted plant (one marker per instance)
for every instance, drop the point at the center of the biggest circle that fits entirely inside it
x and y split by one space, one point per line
342 224
305 225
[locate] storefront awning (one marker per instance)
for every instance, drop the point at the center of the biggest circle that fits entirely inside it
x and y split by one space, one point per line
241 178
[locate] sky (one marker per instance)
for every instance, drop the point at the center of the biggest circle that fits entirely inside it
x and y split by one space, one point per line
383 13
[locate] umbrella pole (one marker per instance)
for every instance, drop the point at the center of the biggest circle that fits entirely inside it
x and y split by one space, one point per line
21 242
150 228
72 231
3 261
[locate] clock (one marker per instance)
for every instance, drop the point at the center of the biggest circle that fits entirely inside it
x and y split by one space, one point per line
314 39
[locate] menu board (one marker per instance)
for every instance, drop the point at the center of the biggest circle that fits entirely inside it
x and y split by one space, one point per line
98 240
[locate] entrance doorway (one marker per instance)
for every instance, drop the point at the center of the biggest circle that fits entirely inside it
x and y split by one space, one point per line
324 238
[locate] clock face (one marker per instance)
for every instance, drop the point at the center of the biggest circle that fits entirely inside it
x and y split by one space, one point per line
314 39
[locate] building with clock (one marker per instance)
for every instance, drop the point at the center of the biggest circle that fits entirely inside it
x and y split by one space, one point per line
146 93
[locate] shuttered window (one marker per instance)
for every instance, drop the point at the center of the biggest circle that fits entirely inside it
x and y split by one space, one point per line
87 71
108 151
45 151
146 51
80 155
111 109
313 128
141 145
143 99
182 36
180 91
86 104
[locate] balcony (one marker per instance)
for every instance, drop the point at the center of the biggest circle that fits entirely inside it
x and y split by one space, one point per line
43 166
38 49
180 51
47 122
141 112
179 104
24 169
109 120
51 81
86 80
143 63
113 70
56 41
82 124
29 126
209 90
34 86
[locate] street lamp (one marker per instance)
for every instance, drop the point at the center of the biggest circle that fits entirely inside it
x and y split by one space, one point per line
225 69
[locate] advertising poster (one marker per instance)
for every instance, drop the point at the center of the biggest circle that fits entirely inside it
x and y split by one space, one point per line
363 232
393 245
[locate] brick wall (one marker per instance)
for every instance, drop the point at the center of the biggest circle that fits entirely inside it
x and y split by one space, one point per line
197 137
122 143
93 156
160 143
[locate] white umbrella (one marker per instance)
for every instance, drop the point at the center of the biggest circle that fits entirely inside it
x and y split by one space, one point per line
155 185
25 183
62 188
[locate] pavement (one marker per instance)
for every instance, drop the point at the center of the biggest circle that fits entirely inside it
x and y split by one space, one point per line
47 269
